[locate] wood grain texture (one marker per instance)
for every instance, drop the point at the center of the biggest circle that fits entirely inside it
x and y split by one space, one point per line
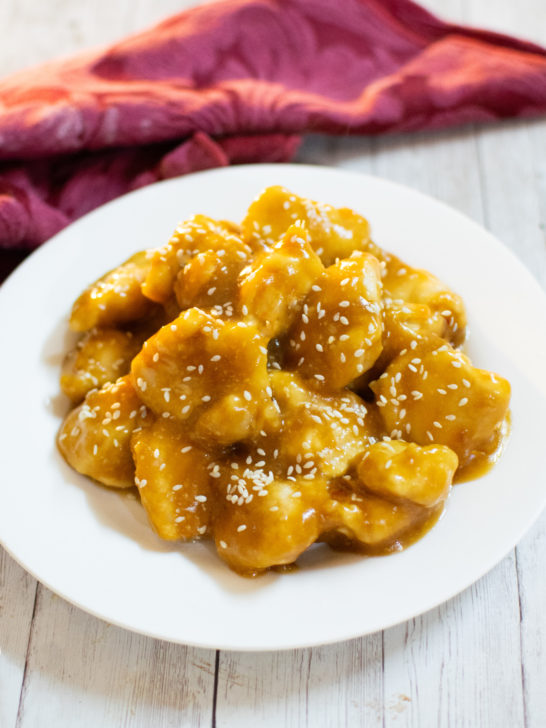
531 563
111 677
17 595
444 661
479 660
338 685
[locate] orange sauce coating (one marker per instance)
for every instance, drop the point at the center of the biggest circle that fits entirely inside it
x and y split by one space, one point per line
276 383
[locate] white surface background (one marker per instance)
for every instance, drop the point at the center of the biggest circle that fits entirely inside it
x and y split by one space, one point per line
479 660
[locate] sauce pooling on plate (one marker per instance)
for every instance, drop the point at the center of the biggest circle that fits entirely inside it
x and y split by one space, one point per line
277 383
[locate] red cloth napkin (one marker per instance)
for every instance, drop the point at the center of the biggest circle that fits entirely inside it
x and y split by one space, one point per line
239 81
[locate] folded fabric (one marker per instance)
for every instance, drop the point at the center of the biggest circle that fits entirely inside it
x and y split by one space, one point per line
239 81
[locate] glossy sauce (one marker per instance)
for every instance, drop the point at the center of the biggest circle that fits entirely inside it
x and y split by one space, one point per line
279 383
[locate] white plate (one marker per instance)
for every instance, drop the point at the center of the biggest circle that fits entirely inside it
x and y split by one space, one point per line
95 548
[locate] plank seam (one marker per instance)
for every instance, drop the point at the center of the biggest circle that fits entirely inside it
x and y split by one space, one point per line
383 677
215 687
27 658
522 664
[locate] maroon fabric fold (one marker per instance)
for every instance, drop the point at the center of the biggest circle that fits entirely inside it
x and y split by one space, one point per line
240 81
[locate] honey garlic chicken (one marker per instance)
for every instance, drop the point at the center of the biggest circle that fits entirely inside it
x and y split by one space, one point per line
276 384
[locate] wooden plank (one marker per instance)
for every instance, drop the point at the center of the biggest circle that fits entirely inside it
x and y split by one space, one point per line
17 594
512 200
458 666
82 671
40 31
338 685
526 18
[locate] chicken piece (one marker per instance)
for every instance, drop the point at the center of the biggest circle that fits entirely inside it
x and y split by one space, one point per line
276 281
406 323
335 232
337 337
376 525
197 235
405 470
262 521
173 480
101 356
95 437
404 326
210 277
321 434
206 372
114 299
403 283
433 394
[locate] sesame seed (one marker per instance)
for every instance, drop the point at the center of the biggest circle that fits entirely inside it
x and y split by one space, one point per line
178 486
216 357
247 395
201 498
186 449
241 528
463 401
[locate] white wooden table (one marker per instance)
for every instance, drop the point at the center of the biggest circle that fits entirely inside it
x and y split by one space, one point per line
477 661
